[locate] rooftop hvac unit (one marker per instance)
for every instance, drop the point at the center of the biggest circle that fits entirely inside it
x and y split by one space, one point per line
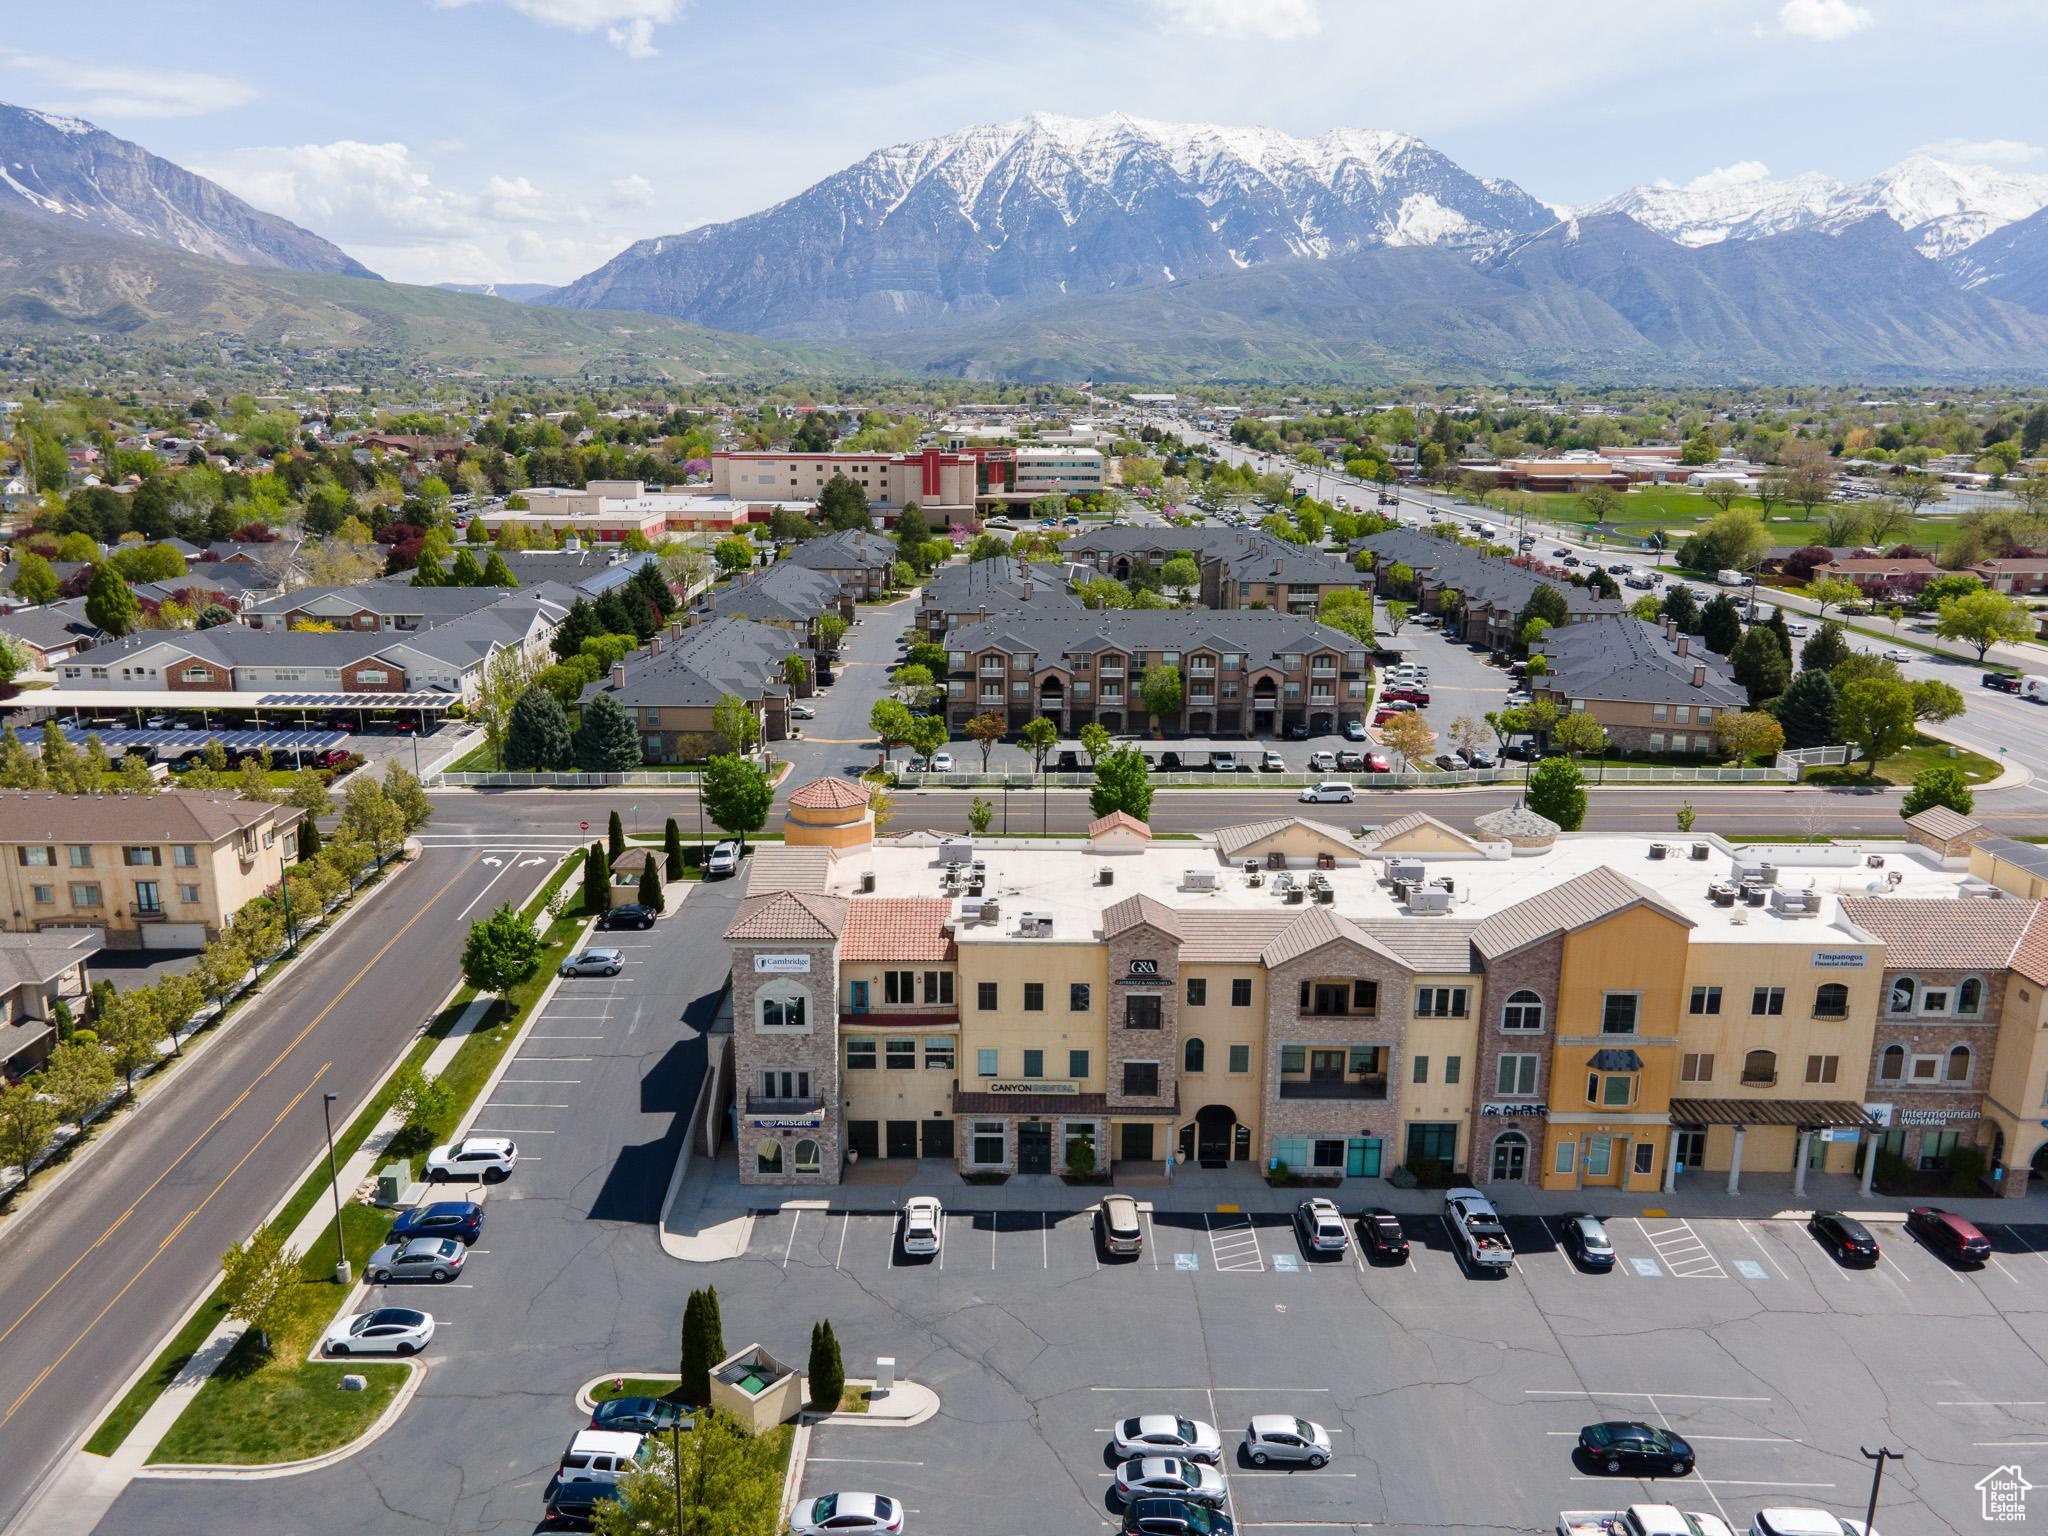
1794 903
867 882
1721 894
1429 899
1979 890
1750 874
1701 851
1873 861
1105 877
1659 851
1405 871
956 850
1754 895
1035 924
1768 873
990 910
1195 879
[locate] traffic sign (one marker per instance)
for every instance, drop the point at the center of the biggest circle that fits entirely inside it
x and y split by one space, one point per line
582 826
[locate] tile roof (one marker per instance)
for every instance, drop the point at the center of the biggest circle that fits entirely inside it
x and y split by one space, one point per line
1442 945
794 915
1231 840
2030 955
1809 1114
1135 910
1228 938
1629 660
1938 821
172 816
1947 933
779 867
1260 636
1118 819
1566 908
830 794
910 929
1485 580
1314 928
1401 826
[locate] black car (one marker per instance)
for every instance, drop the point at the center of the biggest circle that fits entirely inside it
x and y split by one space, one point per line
1174 1517
1643 1450
631 915
1848 1237
576 1504
637 1415
459 1219
2004 682
1298 731
1585 1239
1379 1232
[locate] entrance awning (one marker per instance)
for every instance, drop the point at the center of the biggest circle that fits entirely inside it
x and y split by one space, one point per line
1042 1105
1806 1114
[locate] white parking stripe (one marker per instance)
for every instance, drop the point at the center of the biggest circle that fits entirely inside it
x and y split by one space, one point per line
795 1219
1761 1248
843 1225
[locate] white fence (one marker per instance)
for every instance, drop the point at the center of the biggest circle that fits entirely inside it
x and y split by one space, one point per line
1797 758
1401 778
639 779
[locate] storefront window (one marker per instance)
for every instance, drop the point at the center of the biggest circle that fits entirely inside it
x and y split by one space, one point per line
987 1145
807 1156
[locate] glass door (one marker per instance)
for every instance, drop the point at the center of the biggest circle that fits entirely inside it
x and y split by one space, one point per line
860 997
1599 1157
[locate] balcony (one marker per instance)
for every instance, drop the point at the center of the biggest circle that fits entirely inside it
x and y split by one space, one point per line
1759 1079
757 1105
1373 1088
915 1018
143 914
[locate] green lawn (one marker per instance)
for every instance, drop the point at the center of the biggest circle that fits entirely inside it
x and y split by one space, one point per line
665 1387
1902 767
1676 513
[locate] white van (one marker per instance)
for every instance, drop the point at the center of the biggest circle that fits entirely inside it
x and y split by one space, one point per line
1337 790
603 1456
1730 579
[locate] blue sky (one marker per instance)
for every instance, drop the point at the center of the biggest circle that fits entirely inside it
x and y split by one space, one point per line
530 139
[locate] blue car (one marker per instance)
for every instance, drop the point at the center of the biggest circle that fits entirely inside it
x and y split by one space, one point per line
459 1219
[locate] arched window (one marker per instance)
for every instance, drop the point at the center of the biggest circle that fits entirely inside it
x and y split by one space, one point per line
768 1157
1523 1010
1760 1068
1891 1066
782 1005
807 1156
1831 1001
1902 994
1970 997
1193 1055
1958 1069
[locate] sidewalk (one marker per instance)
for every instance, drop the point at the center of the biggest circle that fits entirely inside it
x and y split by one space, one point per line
711 1216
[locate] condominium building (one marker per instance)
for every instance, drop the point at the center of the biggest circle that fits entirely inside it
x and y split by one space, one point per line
1480 597
1240 568
1505 1003
1654 689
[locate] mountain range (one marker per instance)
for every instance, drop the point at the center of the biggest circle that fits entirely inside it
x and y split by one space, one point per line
1119 248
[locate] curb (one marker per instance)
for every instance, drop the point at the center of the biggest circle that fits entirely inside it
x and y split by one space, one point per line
416 1375
588 1402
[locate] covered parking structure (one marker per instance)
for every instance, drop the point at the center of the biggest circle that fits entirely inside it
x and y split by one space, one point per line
344 711
170 744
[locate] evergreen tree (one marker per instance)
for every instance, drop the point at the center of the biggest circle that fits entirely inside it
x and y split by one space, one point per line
1825 648
309 840
1775 625
496 572
605 740
537 734
650 895
1760 666
828 1370
1122 784
597 881
1809 710
1721 624
672 850
578 625
1557 789
1939 785
615 837
653 588
695 1386
464 571
109 603
1683 609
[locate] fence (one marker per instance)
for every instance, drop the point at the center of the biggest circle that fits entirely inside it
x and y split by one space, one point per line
638 779
1796 759
1401 778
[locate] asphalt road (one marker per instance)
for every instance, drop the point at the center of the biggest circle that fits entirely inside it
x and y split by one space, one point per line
567 1282
92 1277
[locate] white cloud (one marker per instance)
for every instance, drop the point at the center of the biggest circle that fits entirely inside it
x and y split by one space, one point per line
1985 151
628 25
113 90
1741 173
634 191
1822 21
1277 20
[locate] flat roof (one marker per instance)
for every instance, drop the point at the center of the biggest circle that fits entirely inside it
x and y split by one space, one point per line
1057 876
176 742
94 700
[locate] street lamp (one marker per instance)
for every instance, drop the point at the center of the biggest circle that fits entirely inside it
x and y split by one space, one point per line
341 1267
1877 1458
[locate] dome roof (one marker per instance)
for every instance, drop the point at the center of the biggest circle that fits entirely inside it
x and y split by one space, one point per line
1517 824
832 794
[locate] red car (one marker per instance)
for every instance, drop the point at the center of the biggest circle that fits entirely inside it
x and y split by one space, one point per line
1949 1235
1406 695
1375 763
334 757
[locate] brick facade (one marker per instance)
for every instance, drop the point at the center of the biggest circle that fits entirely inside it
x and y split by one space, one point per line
1536 969
385 678
1937 1037
814 1049
1287 1024
218 678
1144 943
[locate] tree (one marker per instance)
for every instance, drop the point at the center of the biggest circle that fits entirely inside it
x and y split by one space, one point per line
1599 503
650 893
1122 783
733 554
1348 609
615 838
1825 648
1682 609
796 673
927 734
1809 477
537 736
1935 700
736 794
1984 619
27 1122
1939 785
985 730
1877 715
1557 789
703 1345
1722 493
1547 603
1397 614
256 1278
597 881
672 850
726 1481
890 720
496 572
1039 738
1720 624
1579 734
1809 710
1746 733
407 796
605 740
109 603
368 816
736 723
1759 663
831 629
1182 575
1160 690
1685 815
980 814
1410 736
422 1103
828 1371
78 1077
1095 740
843 505
1831 592
33 581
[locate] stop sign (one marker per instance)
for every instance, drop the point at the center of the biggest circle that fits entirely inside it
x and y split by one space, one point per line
582 826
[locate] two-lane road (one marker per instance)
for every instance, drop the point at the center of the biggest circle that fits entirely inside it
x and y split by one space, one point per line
91 1277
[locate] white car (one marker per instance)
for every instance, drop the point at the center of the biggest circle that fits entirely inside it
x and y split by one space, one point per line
1169 1477
1806 1522
1283 1437
1897 653
1797 630
942 762
1166 1434
1321 1226
386 1331
1330 791
847 1514
802 712
921 1218
1272 762
489 1158
724 860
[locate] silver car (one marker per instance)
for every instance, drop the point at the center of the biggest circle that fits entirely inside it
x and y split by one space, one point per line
424 1258
594 962
1321 1226
1166 1434
1170 1477
1282 1437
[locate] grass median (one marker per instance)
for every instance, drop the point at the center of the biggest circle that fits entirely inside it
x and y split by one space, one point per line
1902 767
228 1417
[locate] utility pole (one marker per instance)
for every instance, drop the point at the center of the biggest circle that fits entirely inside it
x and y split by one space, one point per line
1877 1458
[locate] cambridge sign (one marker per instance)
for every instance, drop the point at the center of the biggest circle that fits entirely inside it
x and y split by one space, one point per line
781 965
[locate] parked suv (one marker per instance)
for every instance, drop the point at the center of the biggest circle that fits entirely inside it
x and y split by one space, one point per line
724 860
1949 1235
1121 1233
603 1456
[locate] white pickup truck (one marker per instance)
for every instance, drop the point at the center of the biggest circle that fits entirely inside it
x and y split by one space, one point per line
1476 1229
1640 1520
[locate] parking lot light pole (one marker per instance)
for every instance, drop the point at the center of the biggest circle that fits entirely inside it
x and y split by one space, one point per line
1877 1458
341 1266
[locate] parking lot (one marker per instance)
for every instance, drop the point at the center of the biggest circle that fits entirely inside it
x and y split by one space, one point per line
1460 680
1451 1400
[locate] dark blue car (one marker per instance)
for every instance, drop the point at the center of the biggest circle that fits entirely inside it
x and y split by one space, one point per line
459 1219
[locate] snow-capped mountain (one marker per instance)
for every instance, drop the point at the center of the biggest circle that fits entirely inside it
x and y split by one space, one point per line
1045 207
1945 206
63 168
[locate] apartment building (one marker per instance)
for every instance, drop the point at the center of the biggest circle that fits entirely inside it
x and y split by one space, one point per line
672 686
1257 673
944 485
160 871
785 595
1240 568
2014 575
863 563
954 595
1654 689
1880 576
1508 1003
1480 597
